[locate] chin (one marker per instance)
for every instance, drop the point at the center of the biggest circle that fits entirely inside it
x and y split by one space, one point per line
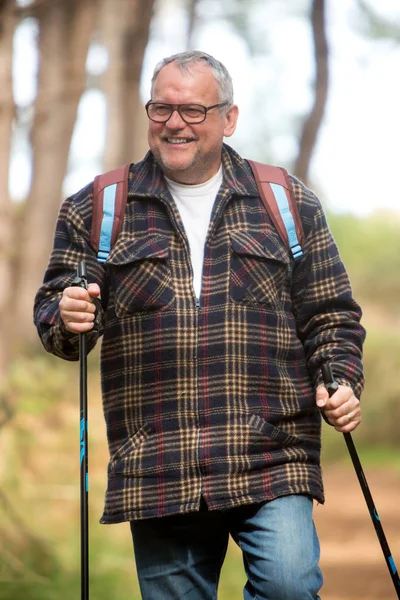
175 165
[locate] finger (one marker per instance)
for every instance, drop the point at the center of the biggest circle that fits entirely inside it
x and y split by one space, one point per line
352 405
349 426
77 317
77 305
342 411
76 292
321 396
80 293
78 322
344 420
94 290
340 397
78 327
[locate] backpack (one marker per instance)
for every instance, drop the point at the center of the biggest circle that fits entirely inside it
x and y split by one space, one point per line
110 192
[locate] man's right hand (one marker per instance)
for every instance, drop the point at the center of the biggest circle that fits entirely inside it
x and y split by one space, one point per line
77 308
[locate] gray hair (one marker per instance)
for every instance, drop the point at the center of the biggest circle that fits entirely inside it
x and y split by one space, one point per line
185 59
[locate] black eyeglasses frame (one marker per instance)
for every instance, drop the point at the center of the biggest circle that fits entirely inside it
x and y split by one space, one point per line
177 107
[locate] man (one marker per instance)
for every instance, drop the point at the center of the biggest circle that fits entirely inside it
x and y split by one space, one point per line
211 354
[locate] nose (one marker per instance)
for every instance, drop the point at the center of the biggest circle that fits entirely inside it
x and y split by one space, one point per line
175 121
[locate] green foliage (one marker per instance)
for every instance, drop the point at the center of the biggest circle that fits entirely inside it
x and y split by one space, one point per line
370 249
380 402
102 587
37 380
112 574
373 25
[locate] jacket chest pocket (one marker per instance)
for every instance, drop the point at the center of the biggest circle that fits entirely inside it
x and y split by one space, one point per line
140 275
259 269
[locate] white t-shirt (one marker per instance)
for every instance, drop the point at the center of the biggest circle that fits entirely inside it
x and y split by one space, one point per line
195 204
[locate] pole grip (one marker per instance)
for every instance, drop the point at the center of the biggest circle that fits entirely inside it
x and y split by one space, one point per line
81 276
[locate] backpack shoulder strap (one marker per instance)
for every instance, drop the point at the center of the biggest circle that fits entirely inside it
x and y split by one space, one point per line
110 192
276 192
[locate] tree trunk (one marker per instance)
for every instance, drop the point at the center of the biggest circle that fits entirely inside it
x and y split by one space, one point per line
192 22
7 113
312 124
125 31
65 32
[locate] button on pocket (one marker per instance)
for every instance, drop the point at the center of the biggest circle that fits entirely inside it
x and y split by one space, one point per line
259 268
140 275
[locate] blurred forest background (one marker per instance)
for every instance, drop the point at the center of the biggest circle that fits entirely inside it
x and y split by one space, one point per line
86 54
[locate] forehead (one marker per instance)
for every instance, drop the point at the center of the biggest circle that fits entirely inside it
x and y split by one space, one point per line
194 84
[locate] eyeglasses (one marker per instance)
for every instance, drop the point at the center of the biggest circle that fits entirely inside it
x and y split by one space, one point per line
160 112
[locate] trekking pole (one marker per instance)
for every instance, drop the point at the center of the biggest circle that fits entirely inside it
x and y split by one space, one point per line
332 385
81 281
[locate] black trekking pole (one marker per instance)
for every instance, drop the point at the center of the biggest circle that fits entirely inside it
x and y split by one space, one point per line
81 281
332 385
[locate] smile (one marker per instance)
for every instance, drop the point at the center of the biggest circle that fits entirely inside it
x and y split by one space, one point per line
178 140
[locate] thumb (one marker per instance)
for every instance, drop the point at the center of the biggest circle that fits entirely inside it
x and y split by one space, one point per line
321 396
94 290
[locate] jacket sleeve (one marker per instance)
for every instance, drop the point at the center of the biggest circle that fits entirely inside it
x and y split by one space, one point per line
327 316
71 245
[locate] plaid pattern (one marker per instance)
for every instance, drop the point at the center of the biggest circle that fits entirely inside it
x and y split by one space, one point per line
217 397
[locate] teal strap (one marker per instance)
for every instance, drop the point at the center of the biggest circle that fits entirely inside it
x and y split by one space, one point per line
287 218
107 223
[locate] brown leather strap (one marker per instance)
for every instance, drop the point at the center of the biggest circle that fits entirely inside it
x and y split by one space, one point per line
266 174
120 177
294 208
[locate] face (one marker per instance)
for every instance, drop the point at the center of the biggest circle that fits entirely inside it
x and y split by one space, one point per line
190 153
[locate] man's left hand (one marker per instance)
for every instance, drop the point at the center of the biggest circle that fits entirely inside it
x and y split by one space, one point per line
342 409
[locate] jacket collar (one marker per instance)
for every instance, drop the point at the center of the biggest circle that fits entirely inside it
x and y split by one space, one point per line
146 178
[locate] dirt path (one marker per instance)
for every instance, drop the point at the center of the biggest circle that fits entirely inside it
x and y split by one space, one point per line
351 557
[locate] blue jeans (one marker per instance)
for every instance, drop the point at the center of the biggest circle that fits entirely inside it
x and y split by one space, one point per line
180 557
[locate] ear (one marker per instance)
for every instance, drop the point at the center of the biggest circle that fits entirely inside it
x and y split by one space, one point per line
231 118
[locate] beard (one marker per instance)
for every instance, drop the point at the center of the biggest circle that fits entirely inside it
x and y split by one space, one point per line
188 167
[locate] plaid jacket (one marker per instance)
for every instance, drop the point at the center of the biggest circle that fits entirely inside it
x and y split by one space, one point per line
216 396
